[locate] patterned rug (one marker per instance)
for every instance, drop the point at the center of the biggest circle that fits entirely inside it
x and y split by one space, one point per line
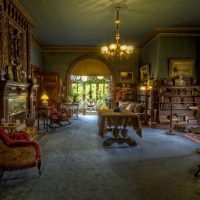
193 136
37 136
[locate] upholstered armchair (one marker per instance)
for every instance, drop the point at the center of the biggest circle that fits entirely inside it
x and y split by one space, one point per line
17 151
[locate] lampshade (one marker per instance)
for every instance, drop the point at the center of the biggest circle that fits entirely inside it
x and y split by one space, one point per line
44 97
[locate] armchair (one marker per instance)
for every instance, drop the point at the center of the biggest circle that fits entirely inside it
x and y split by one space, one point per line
18 152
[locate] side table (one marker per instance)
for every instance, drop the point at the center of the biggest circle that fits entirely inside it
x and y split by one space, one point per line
43 115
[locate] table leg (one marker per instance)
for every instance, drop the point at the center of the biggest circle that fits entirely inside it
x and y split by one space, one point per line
120 136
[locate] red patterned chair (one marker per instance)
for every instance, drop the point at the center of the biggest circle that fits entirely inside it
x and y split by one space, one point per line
57 117
18 152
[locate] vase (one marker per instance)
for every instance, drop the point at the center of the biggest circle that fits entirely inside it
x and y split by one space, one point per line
117 108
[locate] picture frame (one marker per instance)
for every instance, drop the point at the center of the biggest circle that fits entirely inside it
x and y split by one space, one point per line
144 72
126 77
183 67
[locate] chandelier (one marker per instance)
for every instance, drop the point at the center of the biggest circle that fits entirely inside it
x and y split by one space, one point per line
117 50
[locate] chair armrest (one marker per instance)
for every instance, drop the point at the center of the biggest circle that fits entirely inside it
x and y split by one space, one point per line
20 135
22 143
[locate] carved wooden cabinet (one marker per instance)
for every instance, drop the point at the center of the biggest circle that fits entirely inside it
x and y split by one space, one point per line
51 85
14 61
15 43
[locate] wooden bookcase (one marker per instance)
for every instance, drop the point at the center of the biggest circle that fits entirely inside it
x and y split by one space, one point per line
131 94
51 85
145 97
172 105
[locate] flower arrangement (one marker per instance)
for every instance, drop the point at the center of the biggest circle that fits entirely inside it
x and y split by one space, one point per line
120 93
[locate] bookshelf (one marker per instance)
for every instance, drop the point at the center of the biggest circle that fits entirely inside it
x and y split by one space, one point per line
145 97
172 105
131 91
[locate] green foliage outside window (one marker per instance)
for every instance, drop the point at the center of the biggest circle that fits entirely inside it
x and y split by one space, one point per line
90 91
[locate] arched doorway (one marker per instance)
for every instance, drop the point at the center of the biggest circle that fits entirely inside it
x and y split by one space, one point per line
92 79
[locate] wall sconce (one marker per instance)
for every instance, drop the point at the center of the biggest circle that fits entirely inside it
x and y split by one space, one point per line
147 87
142 88
44 99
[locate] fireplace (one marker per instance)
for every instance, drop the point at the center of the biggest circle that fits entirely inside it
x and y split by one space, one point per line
17 108
13 98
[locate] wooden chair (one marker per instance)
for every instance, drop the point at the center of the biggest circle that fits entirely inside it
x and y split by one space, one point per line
56 117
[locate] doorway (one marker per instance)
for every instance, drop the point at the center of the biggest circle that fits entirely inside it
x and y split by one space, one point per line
90 83
92 92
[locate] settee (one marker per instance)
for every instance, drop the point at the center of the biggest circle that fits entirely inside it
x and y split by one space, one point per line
135 107
17 151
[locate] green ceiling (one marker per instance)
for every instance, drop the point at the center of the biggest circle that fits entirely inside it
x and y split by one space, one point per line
91 22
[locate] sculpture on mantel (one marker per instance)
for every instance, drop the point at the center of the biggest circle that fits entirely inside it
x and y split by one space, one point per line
2 74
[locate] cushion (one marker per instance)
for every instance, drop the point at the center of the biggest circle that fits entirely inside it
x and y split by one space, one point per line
130 106
138 108
123 105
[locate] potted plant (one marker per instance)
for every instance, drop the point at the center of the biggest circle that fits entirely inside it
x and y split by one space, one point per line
74 97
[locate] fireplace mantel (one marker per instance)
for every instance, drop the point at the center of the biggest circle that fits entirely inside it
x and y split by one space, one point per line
13 98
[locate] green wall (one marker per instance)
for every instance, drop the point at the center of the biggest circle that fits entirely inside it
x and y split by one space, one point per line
163 48
150 55
156 53
36 55
60 61
175 47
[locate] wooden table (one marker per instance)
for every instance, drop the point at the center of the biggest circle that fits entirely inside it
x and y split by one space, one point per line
116 122
43 114
11 127
72 107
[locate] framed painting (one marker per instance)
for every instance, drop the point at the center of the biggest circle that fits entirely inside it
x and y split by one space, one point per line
184 67
126 76
144 72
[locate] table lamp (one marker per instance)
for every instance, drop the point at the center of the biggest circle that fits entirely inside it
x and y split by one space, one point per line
44 99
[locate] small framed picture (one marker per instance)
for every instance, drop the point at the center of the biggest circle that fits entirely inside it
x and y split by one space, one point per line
183 67
126 76
144 72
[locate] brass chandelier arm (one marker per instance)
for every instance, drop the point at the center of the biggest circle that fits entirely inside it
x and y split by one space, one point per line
117 50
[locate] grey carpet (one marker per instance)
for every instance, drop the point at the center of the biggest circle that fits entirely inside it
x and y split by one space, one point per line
76 166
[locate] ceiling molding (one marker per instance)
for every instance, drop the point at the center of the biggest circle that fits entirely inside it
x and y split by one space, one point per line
169 32
24 12
80 49
92 49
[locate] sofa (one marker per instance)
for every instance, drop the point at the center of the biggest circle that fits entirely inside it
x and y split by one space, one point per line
17 151
135 107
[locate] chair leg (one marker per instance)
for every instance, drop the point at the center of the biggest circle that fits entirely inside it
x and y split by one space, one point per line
197 173
68 122
39 166
1 173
